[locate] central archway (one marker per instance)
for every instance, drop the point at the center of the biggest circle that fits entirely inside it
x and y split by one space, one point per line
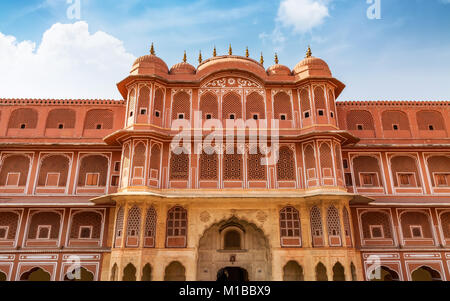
234 247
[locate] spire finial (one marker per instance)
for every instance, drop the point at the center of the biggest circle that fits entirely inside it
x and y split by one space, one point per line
230 50
309 52
152 50
261 60
276 58
200 59
185 57
215 51
246 52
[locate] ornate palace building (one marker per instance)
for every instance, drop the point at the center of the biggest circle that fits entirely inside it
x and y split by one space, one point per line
360 190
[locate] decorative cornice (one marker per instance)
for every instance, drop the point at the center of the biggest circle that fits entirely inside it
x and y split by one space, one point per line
31 101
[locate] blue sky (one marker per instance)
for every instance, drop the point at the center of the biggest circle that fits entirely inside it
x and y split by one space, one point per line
405 55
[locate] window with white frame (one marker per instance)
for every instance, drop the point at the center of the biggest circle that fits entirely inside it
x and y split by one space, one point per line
442 179
376 231
406 179
43 232
368 179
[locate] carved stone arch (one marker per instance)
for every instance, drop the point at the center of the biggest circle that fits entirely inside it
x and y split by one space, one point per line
32 227
97 229
19 167
102 179
426 233
46 156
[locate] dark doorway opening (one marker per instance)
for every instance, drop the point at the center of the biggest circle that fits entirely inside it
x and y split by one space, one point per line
232 274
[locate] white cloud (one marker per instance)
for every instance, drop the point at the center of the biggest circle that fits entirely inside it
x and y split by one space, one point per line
302 15
70 62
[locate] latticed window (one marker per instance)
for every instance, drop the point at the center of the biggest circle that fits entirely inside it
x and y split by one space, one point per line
319 98
104 118
255 105
376 224
231 104
20 117
430 120
439 167
316 222
415 219
126 165
209 105
326 160
97 167
14 170
286 164
150 223
155 162
57 117
304 101
179 166
49 220
346 219
333 222
139 160
144 98
209 165
232 240
391 118
360 120
404 171
255 169
119 222
134 221
131 104
290 222
177 222
232 165
181 105
282 106
54 165
310 162
81 221
9 222
445 223
367 171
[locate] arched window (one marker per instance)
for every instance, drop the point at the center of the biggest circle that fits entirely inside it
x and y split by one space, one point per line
209 106
147 273
316 227
290 229
358 120
23 119
129 273
231 106
9 223
119 227
181 106
175 271
430 121
347 228
179 167
44 225
99 119
232 240
140 152
255 108
319 101
158 107
326 161
126 165
14 171
376 225
61 119
232 165
155 163
425 273
256 171
416 225
282 106
321 272
338 272
131 106
133 226
439 168
150 228
54 171
292 271
86 225
395 121
367 172
310 162
383 273
334 226
176 228
93 171
36 274
144 100
404 172
286 164
305 103
114 273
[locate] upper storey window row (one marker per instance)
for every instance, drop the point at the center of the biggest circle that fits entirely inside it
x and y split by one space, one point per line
396 123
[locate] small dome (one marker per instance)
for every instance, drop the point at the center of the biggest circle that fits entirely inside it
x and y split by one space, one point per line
148 64
183 68
278 70
314 66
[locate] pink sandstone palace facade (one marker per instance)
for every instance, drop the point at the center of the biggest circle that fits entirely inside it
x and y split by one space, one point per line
360 191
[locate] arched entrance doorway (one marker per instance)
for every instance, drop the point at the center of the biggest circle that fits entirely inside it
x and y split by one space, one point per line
236 247
232 274
425 273
383 273
35 274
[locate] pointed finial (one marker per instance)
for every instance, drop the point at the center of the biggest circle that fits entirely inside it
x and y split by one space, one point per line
215 51
230 51
276 58
246 52
152 50
261 60
309 52
185 57
200 59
